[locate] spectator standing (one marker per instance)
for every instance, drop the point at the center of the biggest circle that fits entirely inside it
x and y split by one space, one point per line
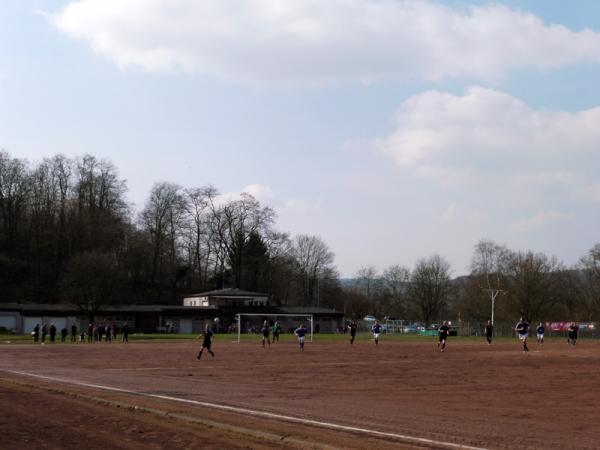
52 333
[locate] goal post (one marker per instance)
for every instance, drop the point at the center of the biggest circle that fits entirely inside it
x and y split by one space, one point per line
254 322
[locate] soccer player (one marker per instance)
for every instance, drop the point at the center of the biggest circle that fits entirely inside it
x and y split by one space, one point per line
352 326
443 336
489 332
300 333
522 329
207 338
376 330
265 332
540 333
52 333
573 333
276 331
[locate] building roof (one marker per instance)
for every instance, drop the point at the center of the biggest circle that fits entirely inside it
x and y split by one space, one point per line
35 308
31 309
307 310
234 292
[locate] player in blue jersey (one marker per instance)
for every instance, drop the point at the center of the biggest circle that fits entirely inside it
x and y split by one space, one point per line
376 330
443 336
207 338
540 333
300 333
522 329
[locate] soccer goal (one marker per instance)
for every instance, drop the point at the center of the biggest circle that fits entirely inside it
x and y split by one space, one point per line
252 323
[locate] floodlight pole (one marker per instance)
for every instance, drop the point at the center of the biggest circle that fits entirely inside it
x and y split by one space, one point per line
493 293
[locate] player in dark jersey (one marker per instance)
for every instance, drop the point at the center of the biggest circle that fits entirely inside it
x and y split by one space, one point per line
300 333
266 330
489 332
443 336
352 326
522 329
376 330
207 338
539 331
573 333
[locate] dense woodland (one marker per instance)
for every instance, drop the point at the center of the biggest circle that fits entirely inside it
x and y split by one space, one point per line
67 234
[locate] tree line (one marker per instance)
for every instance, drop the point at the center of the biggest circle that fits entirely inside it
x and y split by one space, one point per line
518 283
67 234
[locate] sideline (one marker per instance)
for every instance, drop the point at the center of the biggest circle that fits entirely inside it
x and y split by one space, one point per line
255 413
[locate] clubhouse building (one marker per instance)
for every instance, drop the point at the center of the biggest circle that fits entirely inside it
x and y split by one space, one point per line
197 311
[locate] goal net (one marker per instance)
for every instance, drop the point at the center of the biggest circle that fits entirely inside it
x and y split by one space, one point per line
251 324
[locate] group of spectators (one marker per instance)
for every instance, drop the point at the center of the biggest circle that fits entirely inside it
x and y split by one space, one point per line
94 333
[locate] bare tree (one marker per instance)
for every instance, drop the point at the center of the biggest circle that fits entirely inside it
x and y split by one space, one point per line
234 222
312 256
395 281
162 218
589 266
488 266
197 202
367 282
532 283
14 190
92 281
430 286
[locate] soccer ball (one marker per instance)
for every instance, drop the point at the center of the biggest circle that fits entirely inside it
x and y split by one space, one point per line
216 320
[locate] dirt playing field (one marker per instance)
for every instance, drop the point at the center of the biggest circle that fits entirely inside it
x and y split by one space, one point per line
396 395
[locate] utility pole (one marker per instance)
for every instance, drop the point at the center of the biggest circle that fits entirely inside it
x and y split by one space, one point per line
493 293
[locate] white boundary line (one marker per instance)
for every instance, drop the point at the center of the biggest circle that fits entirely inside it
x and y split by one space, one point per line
251 412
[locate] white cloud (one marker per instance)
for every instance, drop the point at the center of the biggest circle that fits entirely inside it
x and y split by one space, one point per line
485 133
261 192
589 193
539 221
265 195
459 213
494 165
301 206
314 41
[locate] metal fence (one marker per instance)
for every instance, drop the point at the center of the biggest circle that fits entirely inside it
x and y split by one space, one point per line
474 328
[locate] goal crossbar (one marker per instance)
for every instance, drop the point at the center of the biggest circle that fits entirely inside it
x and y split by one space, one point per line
238 318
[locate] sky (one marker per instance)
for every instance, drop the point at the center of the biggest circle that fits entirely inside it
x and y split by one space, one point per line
392 129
